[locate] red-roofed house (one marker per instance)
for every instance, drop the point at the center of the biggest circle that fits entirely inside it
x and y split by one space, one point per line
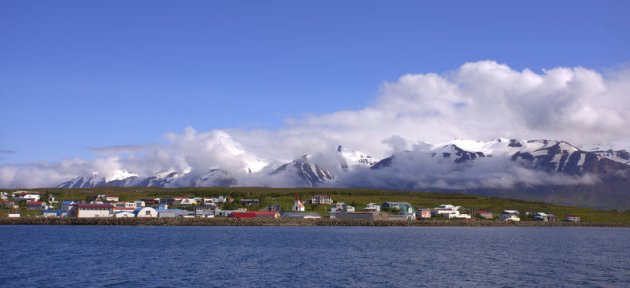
37 205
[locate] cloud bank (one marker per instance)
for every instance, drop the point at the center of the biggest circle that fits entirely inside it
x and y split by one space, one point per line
482 100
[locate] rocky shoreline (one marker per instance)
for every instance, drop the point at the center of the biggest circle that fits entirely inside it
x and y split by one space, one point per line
291 222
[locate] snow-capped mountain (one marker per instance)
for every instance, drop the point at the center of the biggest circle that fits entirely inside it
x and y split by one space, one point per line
530 169
306 173
215 178
120 178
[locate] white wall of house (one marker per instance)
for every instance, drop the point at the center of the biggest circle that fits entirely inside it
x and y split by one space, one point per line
93 212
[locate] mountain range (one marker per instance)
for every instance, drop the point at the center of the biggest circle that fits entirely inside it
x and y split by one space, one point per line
540 170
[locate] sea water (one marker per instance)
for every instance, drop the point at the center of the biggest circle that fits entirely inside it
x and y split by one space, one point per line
133 256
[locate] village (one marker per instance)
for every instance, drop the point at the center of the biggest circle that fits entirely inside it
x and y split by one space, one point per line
32 204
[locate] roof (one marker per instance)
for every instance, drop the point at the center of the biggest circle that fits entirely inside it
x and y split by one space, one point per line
244 214
481 211
67 202
263 212
124 208
322 196
571 215
35 203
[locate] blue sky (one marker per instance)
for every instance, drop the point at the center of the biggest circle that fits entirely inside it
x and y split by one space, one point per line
81 74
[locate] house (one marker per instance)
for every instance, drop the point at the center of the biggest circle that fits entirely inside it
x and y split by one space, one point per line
572 218
126 205
541 217
124 214
372 207
321 199
394 205
340 207
423 213
444 209
250 202
205 211
408 212
31 197
37 205
456 215
140 203
483 214
54 213
360 215
91 210
297 205
146 212
111 198
510 215
66 205
303 215
4 196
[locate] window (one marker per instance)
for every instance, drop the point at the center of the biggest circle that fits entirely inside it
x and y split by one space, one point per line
148 213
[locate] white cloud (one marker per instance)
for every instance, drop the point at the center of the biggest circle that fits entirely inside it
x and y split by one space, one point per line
481 100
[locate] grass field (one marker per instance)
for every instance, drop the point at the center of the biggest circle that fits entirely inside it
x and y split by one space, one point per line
356 197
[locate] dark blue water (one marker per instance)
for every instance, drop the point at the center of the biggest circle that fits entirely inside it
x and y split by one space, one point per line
88 256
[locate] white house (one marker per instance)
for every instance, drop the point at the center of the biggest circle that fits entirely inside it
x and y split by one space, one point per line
146 212
321 199
31 197
445 209
456 215
297 206
4 196
373 207
91 210
139 203
37 205
126 205
572 218
340 207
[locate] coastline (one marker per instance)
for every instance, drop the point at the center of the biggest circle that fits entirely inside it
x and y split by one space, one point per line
294 222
